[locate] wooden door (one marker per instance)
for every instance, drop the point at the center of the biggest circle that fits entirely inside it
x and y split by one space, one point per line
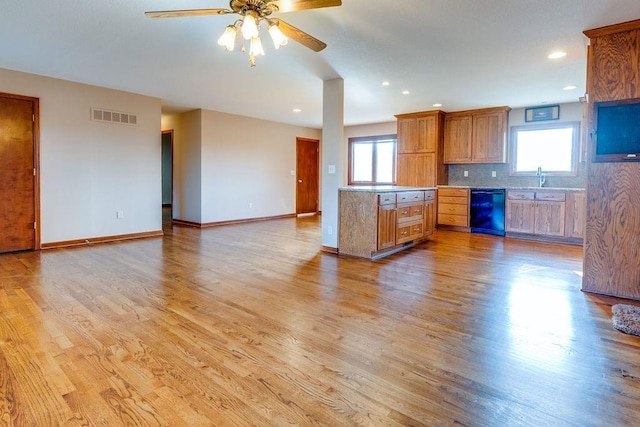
386 226
19 203
549 218
520 216
576 212
457 139
427 134
416 170
406 135
308 180
489 138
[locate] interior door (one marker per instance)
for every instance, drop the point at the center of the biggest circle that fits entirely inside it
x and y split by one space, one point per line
18 173
307 189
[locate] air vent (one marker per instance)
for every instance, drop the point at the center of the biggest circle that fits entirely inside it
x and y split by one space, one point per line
107 116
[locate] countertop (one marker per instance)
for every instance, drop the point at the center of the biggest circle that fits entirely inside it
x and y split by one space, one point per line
383 188
515 188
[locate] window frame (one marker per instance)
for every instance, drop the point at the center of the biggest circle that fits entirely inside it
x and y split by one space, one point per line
575 147
375 140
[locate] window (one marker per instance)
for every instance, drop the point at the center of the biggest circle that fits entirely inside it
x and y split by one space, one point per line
372 160
552 147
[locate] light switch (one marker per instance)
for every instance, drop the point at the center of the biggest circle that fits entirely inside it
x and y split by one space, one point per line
332 168
466 174
493 174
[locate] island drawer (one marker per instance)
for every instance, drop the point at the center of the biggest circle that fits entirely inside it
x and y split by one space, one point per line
410 196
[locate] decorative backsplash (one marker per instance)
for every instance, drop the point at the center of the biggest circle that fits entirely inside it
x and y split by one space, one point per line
480 176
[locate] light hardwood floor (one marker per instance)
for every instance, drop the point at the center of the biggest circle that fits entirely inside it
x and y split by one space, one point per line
252 325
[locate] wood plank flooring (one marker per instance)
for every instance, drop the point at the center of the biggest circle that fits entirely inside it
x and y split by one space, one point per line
251 325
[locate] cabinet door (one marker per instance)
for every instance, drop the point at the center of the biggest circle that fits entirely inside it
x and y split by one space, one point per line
427 134
520 216
407 135
489 138
576 214
416 170
457 139
386 226
429 218
549 218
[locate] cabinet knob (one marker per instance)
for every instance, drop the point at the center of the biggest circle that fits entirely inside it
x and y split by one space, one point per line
300 181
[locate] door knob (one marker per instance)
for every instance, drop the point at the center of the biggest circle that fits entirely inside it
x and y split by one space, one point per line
300 181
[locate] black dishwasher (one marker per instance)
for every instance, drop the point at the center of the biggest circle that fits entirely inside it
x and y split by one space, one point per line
487 211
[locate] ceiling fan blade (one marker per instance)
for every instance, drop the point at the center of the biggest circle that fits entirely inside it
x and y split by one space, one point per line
192 12
293 5
300 36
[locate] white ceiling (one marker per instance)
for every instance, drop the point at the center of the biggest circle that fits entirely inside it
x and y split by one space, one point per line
462 53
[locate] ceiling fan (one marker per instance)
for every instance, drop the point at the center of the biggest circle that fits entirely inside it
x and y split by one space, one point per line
253 12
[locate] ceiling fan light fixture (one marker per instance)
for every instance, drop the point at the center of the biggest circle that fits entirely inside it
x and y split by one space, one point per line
256 47
228 38
250 25
279 39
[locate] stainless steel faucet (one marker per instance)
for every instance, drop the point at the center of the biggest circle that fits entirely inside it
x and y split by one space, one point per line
541 178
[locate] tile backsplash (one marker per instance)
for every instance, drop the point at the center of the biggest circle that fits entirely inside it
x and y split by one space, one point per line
480 175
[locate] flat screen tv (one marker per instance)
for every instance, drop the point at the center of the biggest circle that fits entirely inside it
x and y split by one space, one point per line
617 131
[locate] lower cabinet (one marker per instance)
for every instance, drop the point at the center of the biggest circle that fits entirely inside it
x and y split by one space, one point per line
377 224
453 206
545 213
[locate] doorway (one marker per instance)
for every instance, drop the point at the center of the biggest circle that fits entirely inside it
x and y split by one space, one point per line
167 176
307 176
19 174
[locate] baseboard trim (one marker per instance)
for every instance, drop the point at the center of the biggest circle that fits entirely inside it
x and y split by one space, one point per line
329 249
230 222
104 239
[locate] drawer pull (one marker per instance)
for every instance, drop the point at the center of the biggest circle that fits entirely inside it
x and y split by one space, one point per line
404 212
404 233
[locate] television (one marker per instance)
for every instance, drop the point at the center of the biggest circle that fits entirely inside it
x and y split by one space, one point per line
617 131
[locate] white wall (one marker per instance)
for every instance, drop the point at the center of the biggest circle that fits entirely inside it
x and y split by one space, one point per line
236 161
89 170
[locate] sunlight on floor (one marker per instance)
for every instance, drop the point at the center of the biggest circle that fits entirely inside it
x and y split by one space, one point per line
541 329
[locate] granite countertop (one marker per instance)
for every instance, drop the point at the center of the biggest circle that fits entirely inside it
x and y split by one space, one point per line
515 188
383 188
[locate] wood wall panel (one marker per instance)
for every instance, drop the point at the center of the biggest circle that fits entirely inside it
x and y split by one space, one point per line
615 67
612 240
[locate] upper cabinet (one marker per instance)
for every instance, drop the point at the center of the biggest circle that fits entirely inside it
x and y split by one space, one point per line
420 139
476 136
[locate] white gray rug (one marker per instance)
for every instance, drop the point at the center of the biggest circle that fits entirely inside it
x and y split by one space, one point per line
626 318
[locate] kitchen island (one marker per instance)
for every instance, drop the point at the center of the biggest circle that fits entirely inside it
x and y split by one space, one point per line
376 221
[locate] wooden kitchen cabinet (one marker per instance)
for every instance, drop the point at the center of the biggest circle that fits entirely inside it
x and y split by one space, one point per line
576 214
546 213
416 170
476 136
386 226
419 158
375 224
520 212
458 132
453 206
429 224
549 212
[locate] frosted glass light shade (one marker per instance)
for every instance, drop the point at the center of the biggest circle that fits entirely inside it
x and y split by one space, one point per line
228 38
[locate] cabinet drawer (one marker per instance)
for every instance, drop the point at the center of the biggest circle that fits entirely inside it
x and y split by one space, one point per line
453 209
455 192
453 200
521 195
449 219
386 198
556 196
410 196
430 195
407 233
412 212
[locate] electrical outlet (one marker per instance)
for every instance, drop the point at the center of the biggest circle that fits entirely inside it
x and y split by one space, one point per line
119 214
493 174
466 174
329 230
332 169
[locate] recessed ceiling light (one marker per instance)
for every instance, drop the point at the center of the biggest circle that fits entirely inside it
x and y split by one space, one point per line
570 87
405 92
557 55
437 105
297 110
385 83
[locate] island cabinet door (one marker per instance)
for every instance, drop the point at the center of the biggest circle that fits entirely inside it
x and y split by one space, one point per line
520 216
386 226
